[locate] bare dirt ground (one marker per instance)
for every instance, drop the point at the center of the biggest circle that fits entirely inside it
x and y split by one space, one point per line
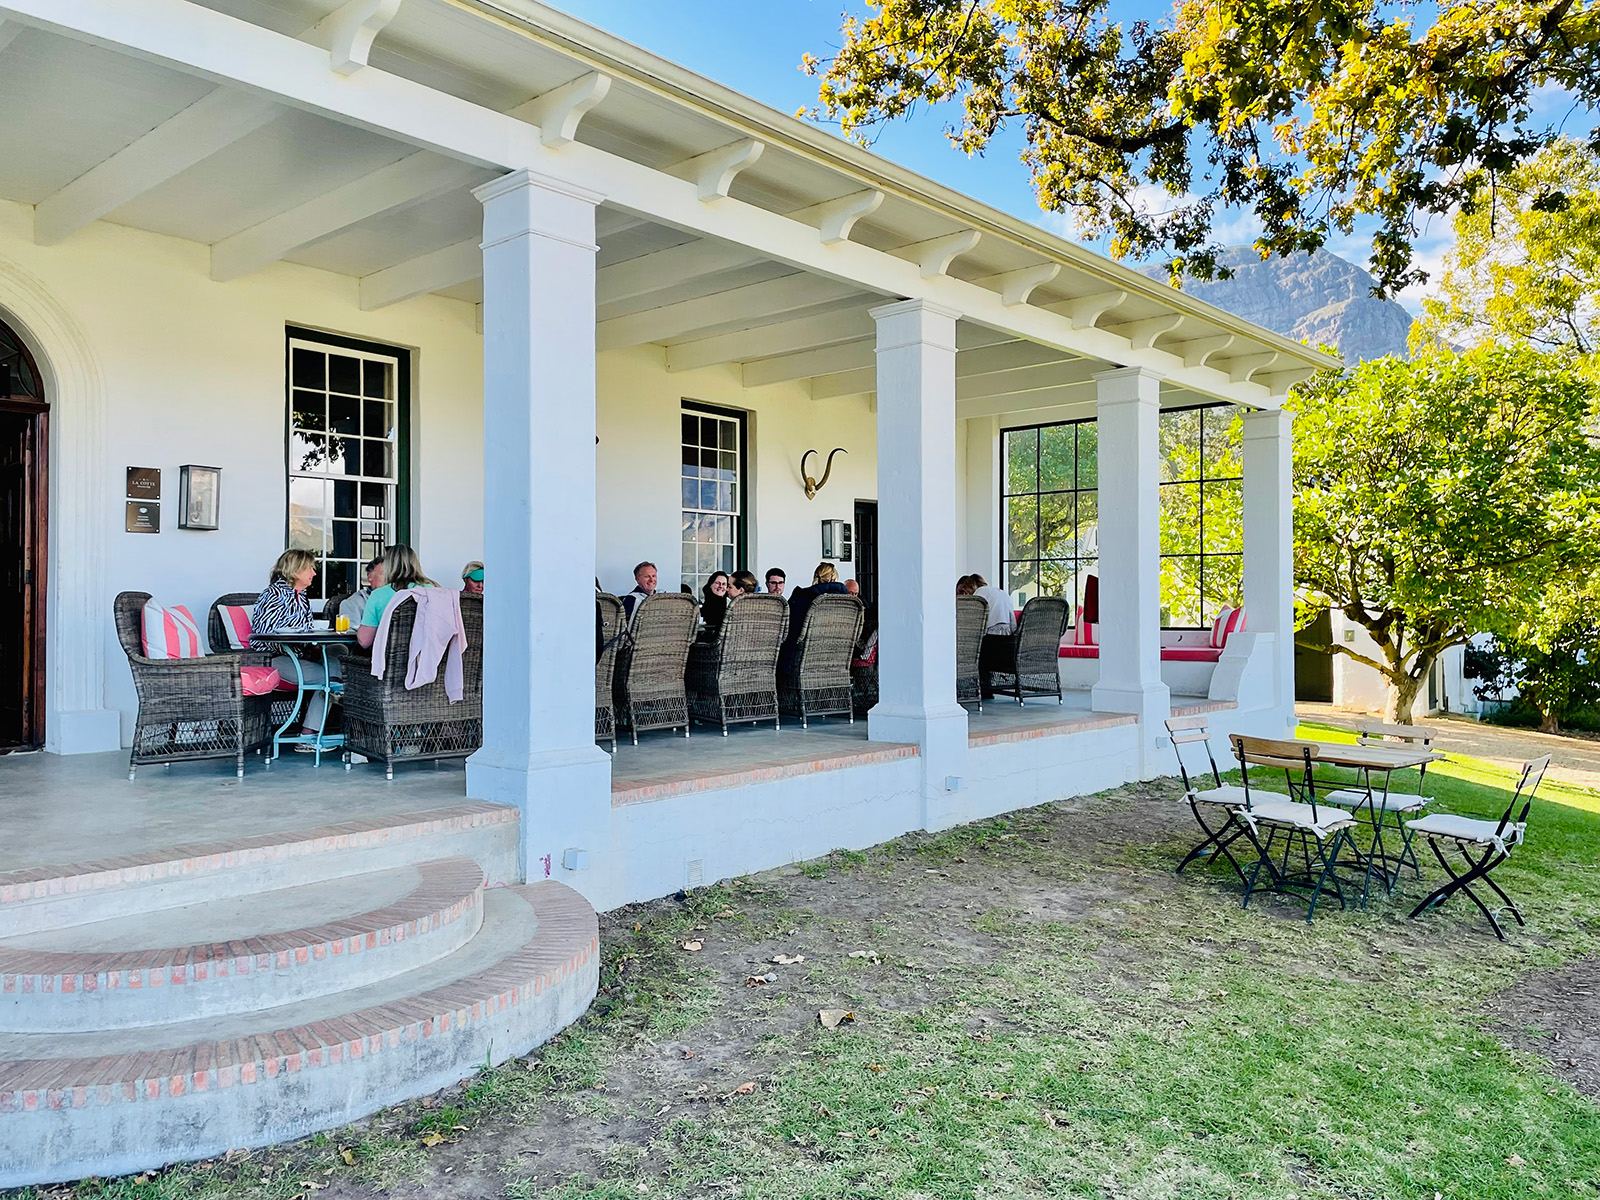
1574 758
1556 1015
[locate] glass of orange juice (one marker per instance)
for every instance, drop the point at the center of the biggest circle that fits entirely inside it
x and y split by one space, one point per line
342 623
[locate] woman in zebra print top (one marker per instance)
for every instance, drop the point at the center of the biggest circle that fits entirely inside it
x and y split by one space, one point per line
283 607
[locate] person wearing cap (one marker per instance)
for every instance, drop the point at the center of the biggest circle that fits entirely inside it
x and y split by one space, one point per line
472 579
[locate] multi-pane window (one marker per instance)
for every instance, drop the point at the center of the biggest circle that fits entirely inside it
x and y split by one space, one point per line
1050 510
344 456
1202 514
17 376
713 493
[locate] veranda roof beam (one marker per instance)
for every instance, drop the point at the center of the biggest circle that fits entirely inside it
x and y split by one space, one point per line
216 120
748 303
213 45
9 32
782 337
825 360
1028 379
417 177
449 266
1061 403
664 268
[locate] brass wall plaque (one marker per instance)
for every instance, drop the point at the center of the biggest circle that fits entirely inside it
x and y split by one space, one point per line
144 483
144 516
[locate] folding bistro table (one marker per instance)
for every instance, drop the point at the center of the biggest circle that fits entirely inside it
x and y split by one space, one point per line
1371 762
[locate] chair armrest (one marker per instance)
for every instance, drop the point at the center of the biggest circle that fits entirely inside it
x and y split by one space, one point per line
212 679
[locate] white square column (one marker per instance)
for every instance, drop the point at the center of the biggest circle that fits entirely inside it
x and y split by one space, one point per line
916 547
539 523
1128 408
1269 544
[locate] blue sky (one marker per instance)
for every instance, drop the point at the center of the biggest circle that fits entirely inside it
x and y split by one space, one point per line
754 46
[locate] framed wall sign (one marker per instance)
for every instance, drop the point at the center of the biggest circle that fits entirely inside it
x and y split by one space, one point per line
143 517
199 497
144 483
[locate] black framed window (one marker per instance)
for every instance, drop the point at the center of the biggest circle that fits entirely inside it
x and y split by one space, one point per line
712 474
1202 514
348 453
1049 510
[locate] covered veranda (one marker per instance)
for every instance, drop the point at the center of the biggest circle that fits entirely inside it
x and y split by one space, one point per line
624 235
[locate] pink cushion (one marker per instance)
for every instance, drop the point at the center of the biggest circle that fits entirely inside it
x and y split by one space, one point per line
1229 621
1189 654
169 633
1069 650
1085 633
258 681
236 625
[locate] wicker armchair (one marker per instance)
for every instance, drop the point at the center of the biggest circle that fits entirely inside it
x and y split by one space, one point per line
189 708
612 627
972 618
735 677
650 663
819 683
386 722
1027 662
284 704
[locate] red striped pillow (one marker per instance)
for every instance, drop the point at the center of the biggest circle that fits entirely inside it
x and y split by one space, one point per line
236 624
1229 621
1083 633
169 632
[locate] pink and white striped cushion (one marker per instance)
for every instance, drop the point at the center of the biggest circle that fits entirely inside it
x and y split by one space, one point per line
1083 633
169 632
1229 621
236 624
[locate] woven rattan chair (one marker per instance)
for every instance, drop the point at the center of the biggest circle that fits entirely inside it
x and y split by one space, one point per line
1028 660
735 678
819 684
612 629
389 723
284 704
650 664
972 618
189 708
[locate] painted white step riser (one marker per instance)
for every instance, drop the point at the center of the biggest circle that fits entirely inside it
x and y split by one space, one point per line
56 1145
264 981
493 847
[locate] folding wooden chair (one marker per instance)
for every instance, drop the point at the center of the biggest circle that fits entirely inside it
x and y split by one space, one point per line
1215 807
1318 831
1381 802
1483 846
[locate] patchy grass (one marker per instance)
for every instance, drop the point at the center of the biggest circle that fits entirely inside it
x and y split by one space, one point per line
1041 1008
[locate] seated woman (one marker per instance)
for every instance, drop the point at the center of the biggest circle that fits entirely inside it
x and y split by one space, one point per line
283 607
401 569
472 579
824 579
714 605
742 584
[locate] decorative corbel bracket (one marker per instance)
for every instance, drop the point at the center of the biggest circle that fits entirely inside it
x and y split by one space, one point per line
351 29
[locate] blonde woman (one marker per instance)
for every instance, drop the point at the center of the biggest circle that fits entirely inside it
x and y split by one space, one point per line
283 607
824 579
402 569
472 579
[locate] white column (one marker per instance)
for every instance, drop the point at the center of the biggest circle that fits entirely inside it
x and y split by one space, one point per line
539 523
983 499
1269 543
1128 406
916 547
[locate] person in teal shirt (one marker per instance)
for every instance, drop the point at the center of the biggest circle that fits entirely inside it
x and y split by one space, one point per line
402 569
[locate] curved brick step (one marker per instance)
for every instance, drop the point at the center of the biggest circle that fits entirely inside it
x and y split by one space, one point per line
42 898
73 1105
240 954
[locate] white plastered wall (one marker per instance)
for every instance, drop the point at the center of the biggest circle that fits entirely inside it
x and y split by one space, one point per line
192 371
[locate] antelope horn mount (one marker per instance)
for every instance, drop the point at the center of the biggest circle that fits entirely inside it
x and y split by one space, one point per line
813 486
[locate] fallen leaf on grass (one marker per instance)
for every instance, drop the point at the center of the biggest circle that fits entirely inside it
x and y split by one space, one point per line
1516 1160
788 960
744 1089
688 1054
312 1185
693 946
997 1095
434 1139
760 980
349 1157
845 1133
872 954
876 1067
832 1018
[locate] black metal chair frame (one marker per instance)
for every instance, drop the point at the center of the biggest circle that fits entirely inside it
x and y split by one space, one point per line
1184 731
1319 857
1495 847
1033 652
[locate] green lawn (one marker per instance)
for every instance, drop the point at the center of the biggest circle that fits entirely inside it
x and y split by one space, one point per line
1042 1009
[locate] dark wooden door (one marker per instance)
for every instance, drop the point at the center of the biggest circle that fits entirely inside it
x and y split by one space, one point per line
22 536
867 550
1313 668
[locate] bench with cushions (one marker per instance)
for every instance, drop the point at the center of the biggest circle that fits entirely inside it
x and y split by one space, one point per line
1177 645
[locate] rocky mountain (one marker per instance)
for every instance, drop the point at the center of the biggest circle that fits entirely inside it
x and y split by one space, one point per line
1319 296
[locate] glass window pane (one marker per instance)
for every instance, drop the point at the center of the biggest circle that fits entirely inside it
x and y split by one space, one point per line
1022 581
728 461
729 435
1056 578
378 459
1088 454
308 498
1088 536
344 499
1021 526
691 457
342 539
725 497
1223 432
1224 584
708 558
708 459
344 374
1224 516
375 501
708 432
308 452
691 493
310 411
378 418
344 414
344 456
1180 444
339 576
708 495
1056 457
375 379
727 559
1057 525
1180 518
310 368
1022 460
1180 591
305 534
691 430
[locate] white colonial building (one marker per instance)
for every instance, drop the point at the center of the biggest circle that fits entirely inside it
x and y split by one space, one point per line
562 306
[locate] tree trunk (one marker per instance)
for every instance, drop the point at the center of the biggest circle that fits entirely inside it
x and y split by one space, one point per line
1402 695
1549 722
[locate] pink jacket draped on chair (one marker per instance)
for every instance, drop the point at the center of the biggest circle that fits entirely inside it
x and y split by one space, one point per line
437 634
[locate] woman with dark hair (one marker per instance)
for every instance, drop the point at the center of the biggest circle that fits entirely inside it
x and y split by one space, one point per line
742 584
714 605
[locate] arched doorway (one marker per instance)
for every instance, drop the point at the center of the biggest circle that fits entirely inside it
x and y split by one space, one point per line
24 530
